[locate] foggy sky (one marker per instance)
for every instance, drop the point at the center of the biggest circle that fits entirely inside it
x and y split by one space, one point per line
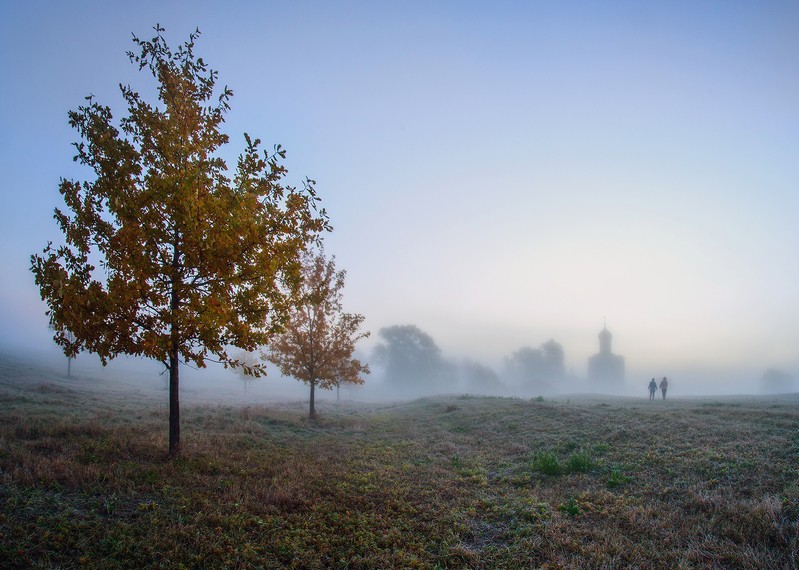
497 174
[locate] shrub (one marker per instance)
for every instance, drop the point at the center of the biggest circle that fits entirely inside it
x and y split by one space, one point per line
546 462
580 462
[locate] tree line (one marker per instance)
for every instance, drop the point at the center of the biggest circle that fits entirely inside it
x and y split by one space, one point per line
412 362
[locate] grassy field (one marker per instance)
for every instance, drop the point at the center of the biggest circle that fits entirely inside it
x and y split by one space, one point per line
458 482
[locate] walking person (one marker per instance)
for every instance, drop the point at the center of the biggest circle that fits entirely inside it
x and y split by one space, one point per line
653 387
664 384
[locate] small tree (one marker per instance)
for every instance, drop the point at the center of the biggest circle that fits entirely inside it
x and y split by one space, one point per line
193 261
69 337
319 339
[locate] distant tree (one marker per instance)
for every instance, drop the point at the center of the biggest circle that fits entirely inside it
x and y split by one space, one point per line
411 359
318 341
70 337
248 360
478 377
192 261
776 381
553 358
525 365
537 367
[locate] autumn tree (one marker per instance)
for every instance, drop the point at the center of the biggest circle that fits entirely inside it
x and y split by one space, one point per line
318 341
167 256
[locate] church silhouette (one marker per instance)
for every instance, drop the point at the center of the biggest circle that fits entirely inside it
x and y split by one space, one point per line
606 369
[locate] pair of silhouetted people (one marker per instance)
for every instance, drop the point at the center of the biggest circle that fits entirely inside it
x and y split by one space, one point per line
653 387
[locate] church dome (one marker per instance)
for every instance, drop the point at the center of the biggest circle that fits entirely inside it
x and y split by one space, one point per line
605 339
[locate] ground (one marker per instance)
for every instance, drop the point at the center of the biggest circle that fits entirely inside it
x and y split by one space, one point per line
448 482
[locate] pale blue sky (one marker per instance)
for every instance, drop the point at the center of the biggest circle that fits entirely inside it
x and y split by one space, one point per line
497 173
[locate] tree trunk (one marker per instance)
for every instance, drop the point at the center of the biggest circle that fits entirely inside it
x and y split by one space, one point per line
174 404
69 367
174 398
312 414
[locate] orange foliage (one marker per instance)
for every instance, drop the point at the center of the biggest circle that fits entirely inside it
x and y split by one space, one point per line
319 339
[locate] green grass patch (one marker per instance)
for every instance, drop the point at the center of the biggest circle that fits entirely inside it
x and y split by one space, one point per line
617 478
570 507
580 462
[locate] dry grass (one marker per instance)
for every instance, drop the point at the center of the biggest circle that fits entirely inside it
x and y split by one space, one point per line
436 483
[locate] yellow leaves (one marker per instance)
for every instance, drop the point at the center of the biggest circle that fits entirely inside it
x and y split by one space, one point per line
185 254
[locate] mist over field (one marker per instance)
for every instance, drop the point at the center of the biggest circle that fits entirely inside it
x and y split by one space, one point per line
460 375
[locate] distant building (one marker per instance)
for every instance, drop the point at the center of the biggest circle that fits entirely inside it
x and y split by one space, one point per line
606 369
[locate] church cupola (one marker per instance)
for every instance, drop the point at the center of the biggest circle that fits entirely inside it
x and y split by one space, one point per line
605 338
